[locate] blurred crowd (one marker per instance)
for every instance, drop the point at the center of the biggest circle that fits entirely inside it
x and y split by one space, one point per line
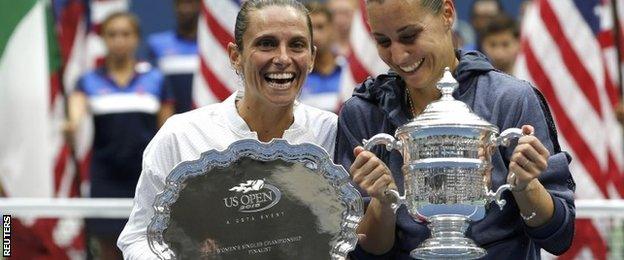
129 99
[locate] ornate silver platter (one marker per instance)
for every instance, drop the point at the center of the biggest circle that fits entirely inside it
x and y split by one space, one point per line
257 201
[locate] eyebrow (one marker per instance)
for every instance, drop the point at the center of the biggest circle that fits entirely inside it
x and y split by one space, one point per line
378 34
271 34
409 26
400 30
299 37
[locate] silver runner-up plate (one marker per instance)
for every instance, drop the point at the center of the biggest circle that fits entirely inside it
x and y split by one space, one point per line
257 201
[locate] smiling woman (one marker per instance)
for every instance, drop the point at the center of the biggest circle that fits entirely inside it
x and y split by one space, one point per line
273 54
273 57
416 42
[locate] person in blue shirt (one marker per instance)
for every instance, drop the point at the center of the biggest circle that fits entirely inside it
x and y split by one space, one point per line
129 102
416 42
500 42
322 87
174 52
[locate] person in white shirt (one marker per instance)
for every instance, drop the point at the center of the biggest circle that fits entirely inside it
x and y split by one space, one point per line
273 53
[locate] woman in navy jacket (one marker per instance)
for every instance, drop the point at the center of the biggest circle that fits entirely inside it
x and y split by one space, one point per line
416 43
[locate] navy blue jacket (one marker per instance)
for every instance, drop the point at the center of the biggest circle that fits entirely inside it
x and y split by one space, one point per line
378 106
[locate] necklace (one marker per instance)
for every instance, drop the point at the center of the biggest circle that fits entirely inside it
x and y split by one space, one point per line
410 103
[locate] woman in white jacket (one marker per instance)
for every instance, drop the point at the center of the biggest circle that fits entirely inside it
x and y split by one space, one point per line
273 53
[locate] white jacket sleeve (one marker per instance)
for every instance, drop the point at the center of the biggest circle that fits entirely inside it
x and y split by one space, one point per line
133 239
159 158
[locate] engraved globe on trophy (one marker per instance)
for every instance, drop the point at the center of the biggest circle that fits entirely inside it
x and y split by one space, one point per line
447 152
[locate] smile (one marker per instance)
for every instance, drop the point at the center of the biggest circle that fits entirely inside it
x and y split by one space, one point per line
413 67
280 80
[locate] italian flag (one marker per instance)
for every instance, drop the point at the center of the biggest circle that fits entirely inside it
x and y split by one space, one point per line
34 158
29 120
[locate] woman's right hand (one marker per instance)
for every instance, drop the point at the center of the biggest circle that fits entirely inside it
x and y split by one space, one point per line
69 131
77 108
372 175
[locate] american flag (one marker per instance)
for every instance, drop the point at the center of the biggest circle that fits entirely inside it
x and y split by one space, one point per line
216 80
569 53
363 59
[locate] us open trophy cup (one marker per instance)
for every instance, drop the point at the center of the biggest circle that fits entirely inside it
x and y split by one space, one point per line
447 151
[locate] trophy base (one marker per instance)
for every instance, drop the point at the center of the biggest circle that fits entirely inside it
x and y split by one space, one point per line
448 240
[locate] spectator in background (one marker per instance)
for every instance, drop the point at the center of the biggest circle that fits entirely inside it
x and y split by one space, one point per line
463 35
342 12
523 8
128 102
500 41
322 87
175 53
482 12
619 113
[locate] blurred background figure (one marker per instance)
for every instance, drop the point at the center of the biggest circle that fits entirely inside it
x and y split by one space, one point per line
500 41
342 12
523 8
128 102
175 53
463 35
322 87
619 113
481 14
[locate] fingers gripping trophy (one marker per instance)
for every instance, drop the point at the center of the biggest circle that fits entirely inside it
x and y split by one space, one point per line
446 162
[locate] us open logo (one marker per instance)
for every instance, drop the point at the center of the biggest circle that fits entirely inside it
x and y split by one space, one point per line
253 196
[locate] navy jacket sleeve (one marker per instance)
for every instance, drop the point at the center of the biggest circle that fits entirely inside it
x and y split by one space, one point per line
345 139
556 235
351 130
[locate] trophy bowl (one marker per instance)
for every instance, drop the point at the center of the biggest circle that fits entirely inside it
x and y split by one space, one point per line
446 156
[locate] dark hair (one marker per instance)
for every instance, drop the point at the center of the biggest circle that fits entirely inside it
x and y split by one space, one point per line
134 21
319 8
500 23
242 19
435 6
472 8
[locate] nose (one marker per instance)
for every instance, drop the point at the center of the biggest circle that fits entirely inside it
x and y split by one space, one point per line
398 53
282 58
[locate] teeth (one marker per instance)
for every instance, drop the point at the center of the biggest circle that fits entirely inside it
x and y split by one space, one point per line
280 75
279 86
412 67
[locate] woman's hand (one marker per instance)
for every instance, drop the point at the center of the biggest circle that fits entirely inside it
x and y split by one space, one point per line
371 175
69 131
376 229
528 161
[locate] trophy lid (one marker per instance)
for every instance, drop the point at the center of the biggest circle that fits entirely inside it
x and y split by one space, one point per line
447 111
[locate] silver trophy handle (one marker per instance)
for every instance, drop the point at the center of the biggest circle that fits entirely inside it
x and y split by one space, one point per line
504 139
496 196
383 139
391 144
399 200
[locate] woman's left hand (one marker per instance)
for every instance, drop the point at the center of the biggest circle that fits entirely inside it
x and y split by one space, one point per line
528 161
